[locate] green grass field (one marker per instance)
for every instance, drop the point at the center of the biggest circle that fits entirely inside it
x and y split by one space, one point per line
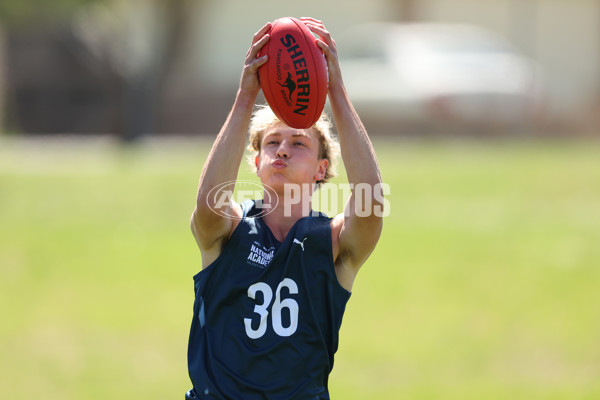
485 283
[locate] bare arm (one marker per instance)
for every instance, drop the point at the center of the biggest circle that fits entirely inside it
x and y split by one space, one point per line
212 230
356 235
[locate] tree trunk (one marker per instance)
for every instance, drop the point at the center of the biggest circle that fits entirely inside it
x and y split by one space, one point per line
405 10
142 95
3 80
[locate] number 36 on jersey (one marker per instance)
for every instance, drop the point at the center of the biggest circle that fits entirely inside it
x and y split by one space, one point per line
264 309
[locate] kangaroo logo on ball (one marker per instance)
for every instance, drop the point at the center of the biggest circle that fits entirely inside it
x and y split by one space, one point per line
290 84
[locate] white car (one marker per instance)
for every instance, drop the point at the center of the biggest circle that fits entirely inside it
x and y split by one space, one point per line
441 76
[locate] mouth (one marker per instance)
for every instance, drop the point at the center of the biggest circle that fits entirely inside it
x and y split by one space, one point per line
279 164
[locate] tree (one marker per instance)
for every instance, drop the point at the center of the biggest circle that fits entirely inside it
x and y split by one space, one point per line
109 32
404 10
16 13
140 67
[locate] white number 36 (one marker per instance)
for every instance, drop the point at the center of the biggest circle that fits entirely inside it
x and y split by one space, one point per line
276 309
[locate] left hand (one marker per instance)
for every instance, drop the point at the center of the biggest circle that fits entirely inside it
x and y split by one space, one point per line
327 44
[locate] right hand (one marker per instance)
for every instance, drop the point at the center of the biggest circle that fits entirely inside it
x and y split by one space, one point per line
249 83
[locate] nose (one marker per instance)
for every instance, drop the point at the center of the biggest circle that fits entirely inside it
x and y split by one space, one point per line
283 151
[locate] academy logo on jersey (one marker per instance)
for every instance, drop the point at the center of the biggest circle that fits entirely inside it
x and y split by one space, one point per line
260 256
220 197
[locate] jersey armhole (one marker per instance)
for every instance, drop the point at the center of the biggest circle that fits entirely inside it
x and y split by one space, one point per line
246 207
331 260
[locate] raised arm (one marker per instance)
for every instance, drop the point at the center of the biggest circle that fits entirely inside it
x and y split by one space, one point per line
210 229
356 235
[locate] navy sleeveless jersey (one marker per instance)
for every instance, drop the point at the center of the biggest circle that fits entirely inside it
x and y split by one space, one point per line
267 314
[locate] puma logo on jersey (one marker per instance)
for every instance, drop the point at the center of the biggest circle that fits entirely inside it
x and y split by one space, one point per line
301 243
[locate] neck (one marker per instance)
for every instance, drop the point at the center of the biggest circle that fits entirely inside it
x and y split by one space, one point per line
284 211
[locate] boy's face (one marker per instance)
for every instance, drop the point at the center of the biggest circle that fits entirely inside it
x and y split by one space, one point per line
289 155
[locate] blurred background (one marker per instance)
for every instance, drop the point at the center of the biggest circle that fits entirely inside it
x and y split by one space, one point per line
485 117
132 68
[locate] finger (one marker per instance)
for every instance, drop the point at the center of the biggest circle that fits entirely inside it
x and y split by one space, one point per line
310 25
262 31
252 67
255 48
324 47
313 20
256 64
260 61
317 27
323 34
259 35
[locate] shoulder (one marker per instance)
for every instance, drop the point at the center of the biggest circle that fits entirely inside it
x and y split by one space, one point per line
211 244
352 244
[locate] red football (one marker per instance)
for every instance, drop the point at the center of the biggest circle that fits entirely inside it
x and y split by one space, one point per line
294 79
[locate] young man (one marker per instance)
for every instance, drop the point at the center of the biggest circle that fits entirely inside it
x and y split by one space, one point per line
273 288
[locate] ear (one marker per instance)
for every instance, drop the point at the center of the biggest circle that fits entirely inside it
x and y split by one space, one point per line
322 170
257 163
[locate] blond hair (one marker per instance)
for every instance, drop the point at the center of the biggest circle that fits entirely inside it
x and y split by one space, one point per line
329 148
